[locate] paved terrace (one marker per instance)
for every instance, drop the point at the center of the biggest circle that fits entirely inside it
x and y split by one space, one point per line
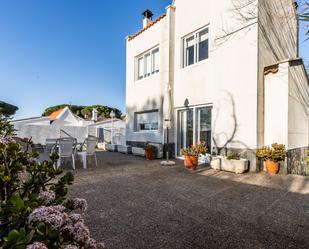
138 204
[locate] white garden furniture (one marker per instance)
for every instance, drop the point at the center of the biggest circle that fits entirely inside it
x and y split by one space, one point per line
88 149
66 149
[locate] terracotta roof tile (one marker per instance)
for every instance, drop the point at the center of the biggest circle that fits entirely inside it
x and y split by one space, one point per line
103 120
55 114
131 37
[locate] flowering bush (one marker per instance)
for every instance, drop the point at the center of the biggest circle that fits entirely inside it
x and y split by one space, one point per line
195 150
34 210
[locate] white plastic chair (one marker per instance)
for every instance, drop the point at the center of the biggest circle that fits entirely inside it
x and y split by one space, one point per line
66 149
49 145
89 144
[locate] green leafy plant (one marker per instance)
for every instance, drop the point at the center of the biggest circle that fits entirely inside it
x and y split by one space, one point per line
195 150
149 147
232 156
275 153
34 209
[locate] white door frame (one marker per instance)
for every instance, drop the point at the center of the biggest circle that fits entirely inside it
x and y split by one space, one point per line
196 120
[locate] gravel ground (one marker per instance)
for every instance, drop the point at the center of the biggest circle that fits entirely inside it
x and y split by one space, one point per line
138 204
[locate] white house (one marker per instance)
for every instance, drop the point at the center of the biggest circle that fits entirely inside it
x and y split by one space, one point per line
235 75
63 123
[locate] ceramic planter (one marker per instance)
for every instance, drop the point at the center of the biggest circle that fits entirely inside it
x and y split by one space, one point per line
150 154
111 147
272 167
237 166
138 151
191 162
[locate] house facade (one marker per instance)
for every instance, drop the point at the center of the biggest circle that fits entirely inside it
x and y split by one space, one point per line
220 61
63 123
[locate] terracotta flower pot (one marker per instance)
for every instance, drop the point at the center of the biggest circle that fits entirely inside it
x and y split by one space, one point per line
191 162
272 167
150 154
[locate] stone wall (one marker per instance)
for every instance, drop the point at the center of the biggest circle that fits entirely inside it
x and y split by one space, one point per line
297 161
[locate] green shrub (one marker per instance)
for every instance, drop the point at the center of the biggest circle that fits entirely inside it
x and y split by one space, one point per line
195 150
275 153
34 209
232 156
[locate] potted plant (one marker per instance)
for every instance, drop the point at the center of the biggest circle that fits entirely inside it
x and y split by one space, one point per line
150 151
272 156
231 163
191 154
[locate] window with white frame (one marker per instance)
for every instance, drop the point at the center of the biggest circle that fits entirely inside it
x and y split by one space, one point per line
146 121
196 47
148 63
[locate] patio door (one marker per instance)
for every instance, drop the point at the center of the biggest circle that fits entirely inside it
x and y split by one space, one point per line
185 129
203 126
193 126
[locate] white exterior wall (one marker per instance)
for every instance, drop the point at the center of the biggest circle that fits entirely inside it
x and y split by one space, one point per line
287 106
298 133
145 94
278 41
231 80
276 106
232 65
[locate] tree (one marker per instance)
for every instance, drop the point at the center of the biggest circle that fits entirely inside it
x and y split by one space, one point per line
7 109
82 111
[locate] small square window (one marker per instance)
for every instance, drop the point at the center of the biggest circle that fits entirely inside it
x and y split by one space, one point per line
146 121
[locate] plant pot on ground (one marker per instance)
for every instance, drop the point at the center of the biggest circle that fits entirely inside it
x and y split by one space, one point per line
272 156
150 151
191 155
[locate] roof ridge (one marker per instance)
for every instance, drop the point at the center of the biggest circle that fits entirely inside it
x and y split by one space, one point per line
159 18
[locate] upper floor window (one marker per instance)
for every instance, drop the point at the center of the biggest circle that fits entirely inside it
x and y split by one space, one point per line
148 63
196 47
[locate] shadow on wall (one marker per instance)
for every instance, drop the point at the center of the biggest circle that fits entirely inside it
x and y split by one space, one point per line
224 134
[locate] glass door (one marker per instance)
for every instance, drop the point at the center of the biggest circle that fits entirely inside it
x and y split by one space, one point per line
185 129
203 126
194 126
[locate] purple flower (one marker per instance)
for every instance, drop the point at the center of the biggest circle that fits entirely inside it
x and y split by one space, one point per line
37 245
47 197
71 247
53 215
80 204
91 244
80 232
74 218
6 140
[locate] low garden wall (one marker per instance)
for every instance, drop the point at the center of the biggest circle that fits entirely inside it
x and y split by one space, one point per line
297 161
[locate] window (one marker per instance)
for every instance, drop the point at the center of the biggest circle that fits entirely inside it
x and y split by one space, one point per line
155 60
148 63
147 121
189 51
196 47
140 68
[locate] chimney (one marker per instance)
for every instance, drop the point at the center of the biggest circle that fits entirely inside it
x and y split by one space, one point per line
147 14
94 114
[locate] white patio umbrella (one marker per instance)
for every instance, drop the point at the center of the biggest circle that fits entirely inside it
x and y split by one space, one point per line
167 107
167 120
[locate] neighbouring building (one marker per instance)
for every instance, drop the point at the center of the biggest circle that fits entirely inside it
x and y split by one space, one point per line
235 75
63 123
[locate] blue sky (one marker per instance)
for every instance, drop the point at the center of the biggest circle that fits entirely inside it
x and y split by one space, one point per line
62 51
69 51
